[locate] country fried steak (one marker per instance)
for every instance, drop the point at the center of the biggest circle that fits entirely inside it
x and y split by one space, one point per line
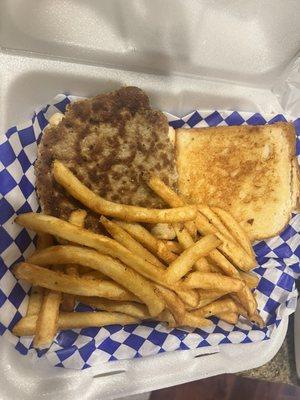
113 143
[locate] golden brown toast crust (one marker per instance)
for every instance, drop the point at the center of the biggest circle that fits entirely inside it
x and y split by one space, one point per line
247 160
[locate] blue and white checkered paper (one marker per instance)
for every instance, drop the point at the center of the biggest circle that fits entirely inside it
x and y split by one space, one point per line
278 261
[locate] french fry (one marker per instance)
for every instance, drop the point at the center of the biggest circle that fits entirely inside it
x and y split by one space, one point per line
210 280
216 223
173 303
229 317
112 268
166 316
173 246
186 241
193 320
250 279
247 300
143 236
35 300
47 320
235 228
78 217
124 238
171 198
163 231
103 244
184 263
217 307
125 307
75 320
36 293
225 265
55 280
257 320
93 274
233 251
211 293
80 192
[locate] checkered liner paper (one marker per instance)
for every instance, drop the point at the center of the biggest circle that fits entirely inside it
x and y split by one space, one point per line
277 258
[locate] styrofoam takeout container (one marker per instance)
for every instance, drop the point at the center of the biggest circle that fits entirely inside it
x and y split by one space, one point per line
186 55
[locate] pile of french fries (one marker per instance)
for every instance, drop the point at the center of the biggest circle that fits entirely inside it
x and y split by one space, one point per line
198 270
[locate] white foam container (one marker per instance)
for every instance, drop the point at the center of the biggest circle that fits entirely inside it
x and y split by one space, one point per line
187 55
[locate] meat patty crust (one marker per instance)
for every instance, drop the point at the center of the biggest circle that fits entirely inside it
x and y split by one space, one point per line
113 143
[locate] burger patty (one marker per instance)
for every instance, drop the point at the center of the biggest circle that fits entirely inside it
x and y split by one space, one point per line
113 143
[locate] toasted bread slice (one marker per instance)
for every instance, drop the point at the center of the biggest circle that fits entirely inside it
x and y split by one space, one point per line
251 171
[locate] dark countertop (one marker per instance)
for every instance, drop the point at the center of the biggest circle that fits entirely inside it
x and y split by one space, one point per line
282 368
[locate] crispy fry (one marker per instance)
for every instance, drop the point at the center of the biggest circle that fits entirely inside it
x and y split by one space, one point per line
173 302
93 274
166 316
80 192
250 279
77 217
35 300
210 280
216 223
186 240
184 263
229 317
75 320
112 268
225 265
173 246
235 228
211 293
68 284
193 320
163 231
68 300
247 300
103 244
257 320
124 238
47 321
126 307
143 236
36 293
217 307
171 198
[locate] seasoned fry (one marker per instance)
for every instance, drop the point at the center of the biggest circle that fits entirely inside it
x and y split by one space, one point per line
77 217
47 320
124 238
184 263
210 280
225 265
173 302
36 293
55 280
80 192
76 320
186 241
173 246
167 317
229 317
247 300
211 293
233 251
171 198
143 236
250 279
68 300
216 223
35 300
112 268
193 320
93 274
217 307
126 307
103 244
163 231
257 320
235 228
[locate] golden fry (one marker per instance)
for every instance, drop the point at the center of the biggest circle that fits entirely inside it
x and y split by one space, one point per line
47 321
229 317
35 300
163 231
235 228
124 238
80 192
193 320
112 268
217 307
173 246
250 279
75 320
173 303
126 307
210 280
184 263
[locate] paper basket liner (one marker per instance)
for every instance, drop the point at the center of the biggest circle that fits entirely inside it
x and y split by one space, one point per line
277 258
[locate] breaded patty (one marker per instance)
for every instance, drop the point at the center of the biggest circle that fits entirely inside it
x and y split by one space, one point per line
113 143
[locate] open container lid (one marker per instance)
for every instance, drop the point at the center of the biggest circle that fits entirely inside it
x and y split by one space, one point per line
186 55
